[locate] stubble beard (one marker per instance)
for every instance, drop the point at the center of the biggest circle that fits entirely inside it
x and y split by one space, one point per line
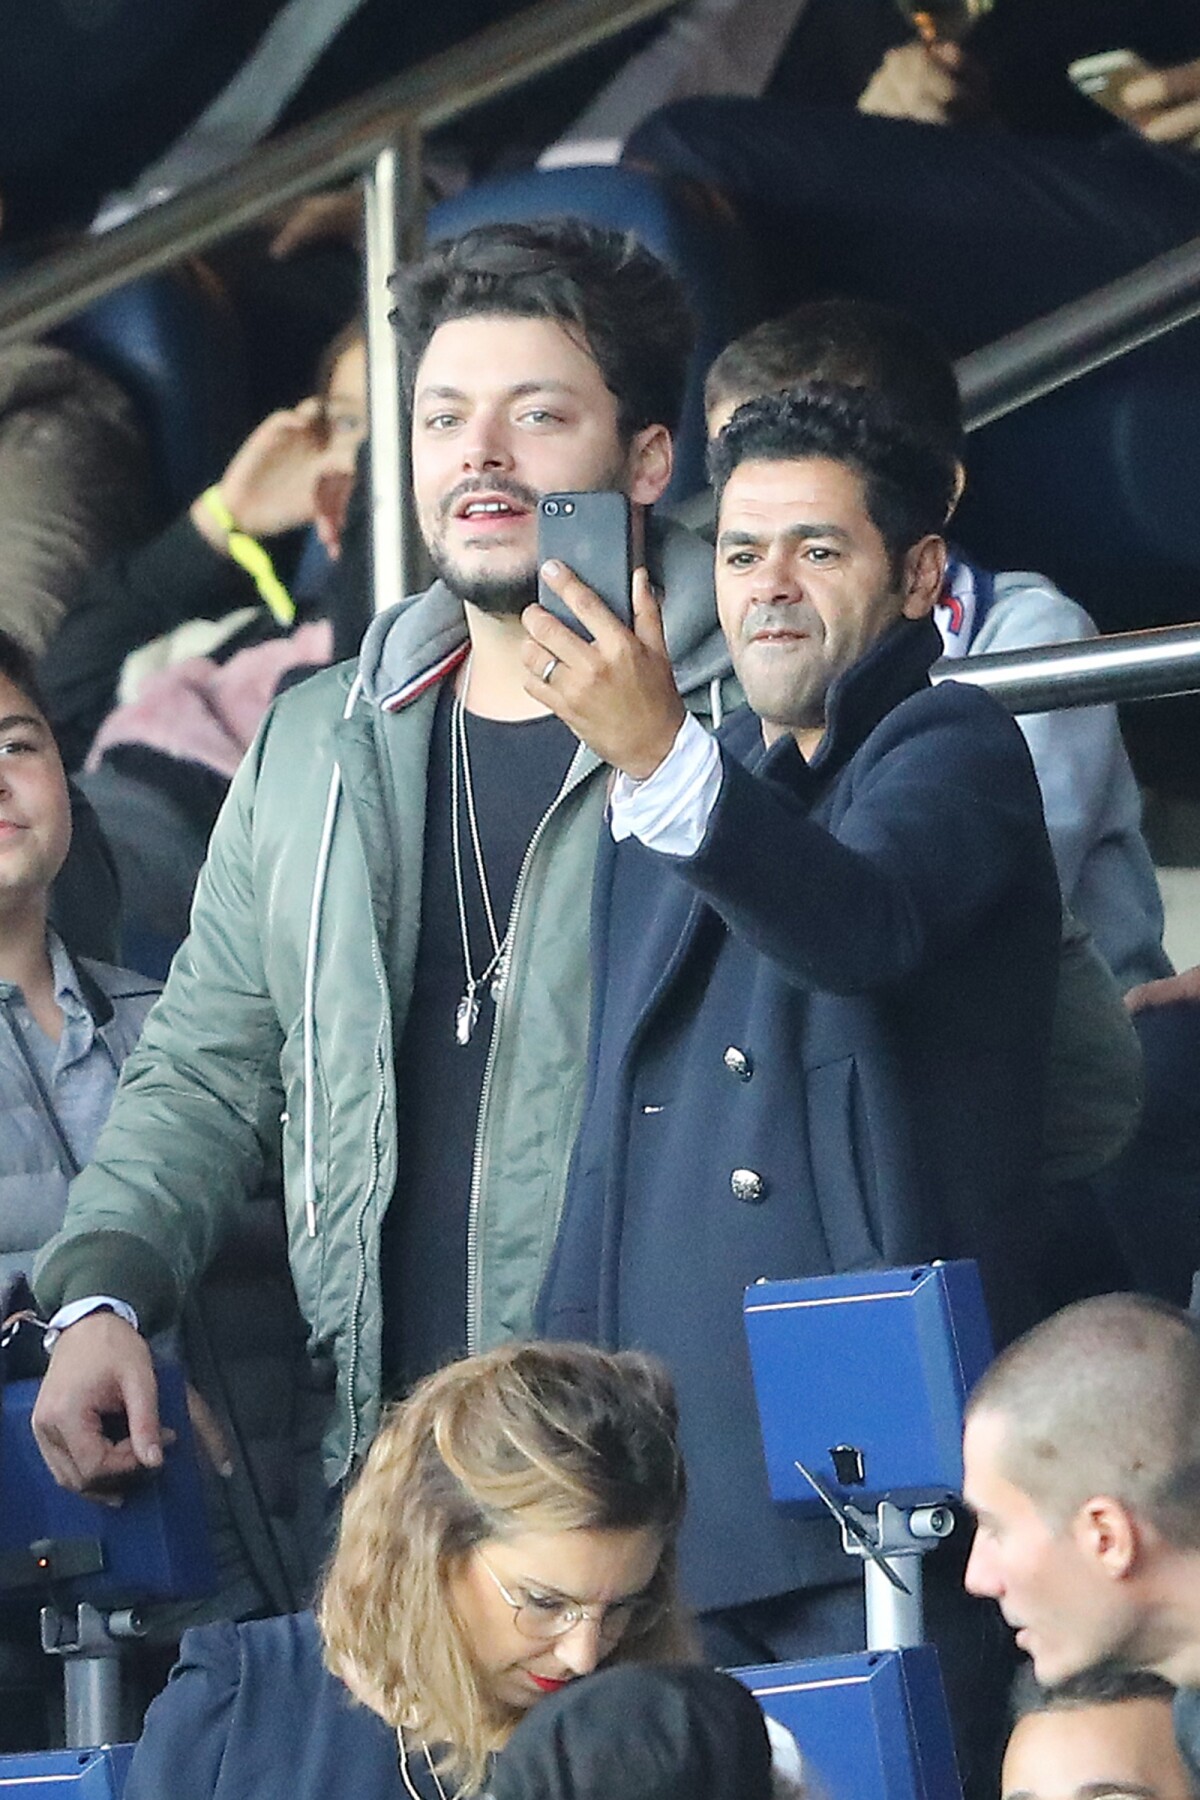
501 597
791 701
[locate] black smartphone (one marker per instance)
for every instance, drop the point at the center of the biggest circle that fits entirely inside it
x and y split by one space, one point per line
598 535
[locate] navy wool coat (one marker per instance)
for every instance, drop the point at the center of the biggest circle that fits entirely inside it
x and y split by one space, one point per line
252 1713
819 1044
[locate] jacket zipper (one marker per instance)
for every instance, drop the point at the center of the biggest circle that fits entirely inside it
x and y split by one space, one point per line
570 781
360 1227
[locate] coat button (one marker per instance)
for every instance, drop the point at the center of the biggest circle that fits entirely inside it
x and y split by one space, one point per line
748 1186
738 1063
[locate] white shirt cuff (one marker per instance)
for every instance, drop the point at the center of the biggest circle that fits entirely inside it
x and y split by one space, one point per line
669 811
79 1309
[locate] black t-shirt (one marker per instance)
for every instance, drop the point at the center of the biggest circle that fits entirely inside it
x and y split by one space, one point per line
516 771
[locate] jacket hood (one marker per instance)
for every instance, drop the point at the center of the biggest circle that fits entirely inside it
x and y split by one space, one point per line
419 635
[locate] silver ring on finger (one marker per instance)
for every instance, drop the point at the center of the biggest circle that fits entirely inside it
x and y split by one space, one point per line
550 667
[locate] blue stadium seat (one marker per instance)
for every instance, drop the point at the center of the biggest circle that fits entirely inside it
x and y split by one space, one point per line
704 248
173 343
873 1726
153 1547
73 1774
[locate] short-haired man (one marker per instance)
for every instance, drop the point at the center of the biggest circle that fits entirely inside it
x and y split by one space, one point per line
1081 1463
1106 1731
389 943
825 947
1091 799
1089 794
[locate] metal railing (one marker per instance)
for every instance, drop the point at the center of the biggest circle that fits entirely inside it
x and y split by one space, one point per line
1081 336
380 137
342 144
1132 665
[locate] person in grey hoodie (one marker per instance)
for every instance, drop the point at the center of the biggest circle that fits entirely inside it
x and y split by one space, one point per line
1089 792
389 946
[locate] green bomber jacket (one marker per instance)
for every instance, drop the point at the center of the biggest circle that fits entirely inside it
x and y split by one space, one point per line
283 1005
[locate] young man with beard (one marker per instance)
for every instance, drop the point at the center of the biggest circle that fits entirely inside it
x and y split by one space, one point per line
826 948
389 945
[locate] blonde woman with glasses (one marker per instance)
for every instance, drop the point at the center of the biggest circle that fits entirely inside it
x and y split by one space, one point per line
513 1529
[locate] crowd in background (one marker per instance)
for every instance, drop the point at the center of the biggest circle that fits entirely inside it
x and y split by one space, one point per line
868 974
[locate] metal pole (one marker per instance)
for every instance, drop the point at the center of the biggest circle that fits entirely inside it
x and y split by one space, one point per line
1081 336
337 147
410 241
383 381
92 1684
1131 665
87 1640
902 1535
895 1620
394 210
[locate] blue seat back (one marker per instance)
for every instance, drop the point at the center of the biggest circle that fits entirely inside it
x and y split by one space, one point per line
73 1774
873 1726
1095 486
878 1362
153 1547
174 344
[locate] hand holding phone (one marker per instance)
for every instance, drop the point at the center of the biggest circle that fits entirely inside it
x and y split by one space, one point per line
598 536
1104 78
1164 104
616 690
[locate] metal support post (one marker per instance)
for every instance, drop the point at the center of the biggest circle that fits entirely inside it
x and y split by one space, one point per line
896 1613
394 220
891 1546
89 1643
383 381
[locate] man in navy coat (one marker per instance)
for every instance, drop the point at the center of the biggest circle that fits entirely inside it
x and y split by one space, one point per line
825 950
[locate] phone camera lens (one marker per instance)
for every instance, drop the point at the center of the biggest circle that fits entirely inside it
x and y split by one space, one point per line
550 508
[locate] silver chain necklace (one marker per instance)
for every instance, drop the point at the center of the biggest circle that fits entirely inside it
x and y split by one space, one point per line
406 1778
466 1013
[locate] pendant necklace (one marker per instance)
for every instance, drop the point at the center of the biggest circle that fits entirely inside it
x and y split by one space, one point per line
406 1778
466 1014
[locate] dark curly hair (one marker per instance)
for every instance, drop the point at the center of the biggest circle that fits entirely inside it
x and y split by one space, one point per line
604 286
909 482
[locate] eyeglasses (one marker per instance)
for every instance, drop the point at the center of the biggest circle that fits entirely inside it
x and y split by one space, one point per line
546 1616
